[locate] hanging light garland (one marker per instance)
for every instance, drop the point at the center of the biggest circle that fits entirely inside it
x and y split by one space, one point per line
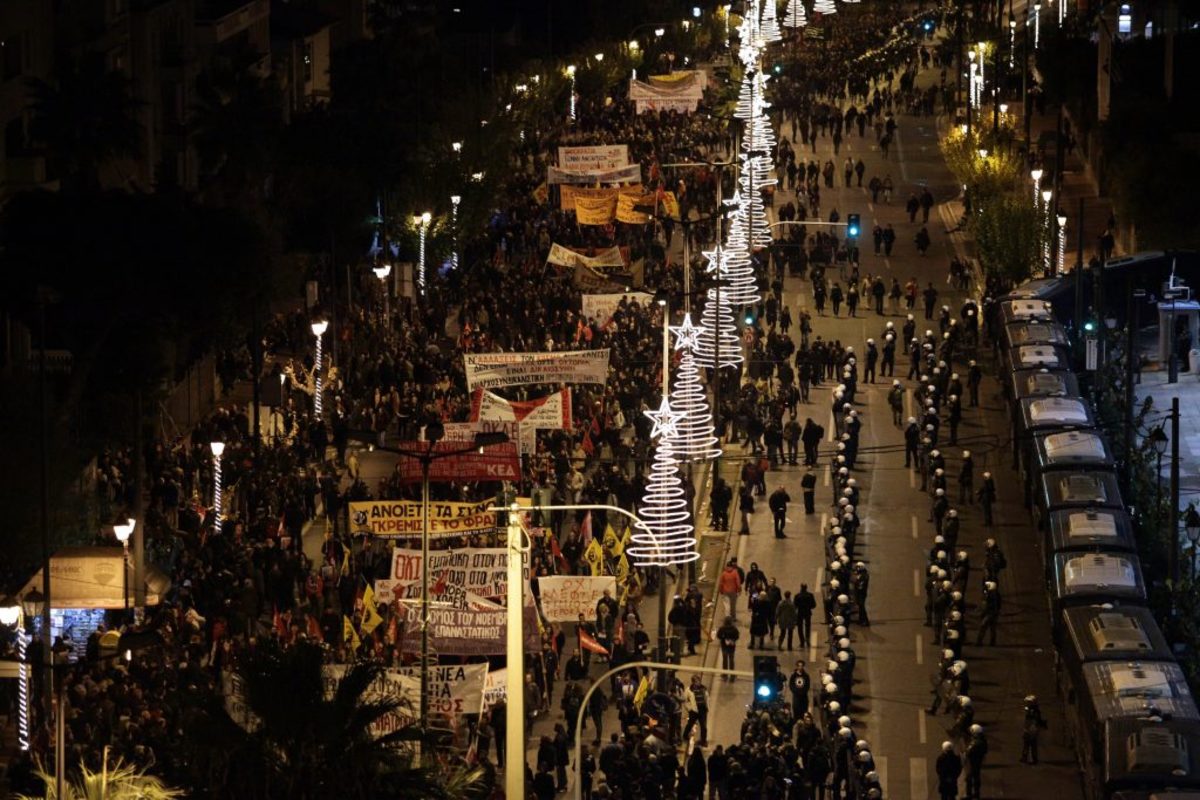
770 22
664 535
796 17
695 439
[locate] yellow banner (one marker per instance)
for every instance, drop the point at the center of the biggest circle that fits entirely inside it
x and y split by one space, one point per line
370 619
670 205
627 211
594 556
568 195
404 518
595 210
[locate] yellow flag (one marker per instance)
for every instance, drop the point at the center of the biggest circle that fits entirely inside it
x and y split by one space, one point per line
670 204
626 537
612 543
349 634
370 618
345 561
622 568
542 193
594 556
643 690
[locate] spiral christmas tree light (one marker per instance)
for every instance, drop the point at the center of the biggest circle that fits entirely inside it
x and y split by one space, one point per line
824 7
717 319
694 440
770 22
663 537
736 266
796 17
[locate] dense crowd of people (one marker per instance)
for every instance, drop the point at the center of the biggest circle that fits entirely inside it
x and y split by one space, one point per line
251 578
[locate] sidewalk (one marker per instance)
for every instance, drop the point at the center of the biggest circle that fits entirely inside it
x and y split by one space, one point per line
1154 385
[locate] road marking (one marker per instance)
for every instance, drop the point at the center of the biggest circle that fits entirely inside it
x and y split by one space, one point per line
918 779
922 735
812 640
920 650
832 427
913 519
900 156
882 771
916 583
826 471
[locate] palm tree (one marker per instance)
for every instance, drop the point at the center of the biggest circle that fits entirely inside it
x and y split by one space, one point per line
118 781
307 742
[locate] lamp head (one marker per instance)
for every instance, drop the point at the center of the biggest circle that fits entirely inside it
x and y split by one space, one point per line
217 448
455 199
571 70
124 530
425 218
10 611
659 31
1062 220
382 271
1036 174
1047 194
599 56
633 45
319 327
456 147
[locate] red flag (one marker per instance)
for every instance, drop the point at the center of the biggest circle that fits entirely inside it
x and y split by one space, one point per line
314 629
595 429
586 444
559 558
585 530
588 642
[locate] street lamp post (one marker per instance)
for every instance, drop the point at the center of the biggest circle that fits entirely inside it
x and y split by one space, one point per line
571 75
382 272
1158 440
318 328
217 449
421 222
124 530
1061 261
433 434
12 614
1047 265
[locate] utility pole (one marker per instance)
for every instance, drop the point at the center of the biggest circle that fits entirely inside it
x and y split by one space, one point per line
139 513
44 297
1079 271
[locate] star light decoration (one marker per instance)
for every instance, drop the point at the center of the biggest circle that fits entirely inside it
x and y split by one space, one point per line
796 17
663 535
694 439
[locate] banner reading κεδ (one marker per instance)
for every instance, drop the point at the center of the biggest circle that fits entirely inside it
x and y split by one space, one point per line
489 370
397 519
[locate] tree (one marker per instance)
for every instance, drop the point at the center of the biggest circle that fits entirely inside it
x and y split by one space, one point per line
314 743
1009 234
118 781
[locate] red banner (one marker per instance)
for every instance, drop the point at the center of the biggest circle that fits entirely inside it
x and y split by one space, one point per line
498 462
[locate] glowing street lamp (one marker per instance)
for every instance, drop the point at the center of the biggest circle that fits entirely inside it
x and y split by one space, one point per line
217 449
456 147
1037 24
455 199
382 272
696 12
12 615
599 56
1012 43
1036 174
421 222
658 32
318 329
123 531
1062 243
633 45
571 75
1046 251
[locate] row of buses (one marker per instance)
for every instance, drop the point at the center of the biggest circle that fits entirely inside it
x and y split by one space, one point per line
1133 719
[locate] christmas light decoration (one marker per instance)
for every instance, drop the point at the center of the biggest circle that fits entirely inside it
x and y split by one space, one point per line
694 440
770 22
736 266
318 329
217 449
824 7
717 317
663 537
796 17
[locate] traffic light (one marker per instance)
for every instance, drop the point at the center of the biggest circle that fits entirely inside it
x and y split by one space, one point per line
853 225
778 69
1089 326
927 25
768 682
749 318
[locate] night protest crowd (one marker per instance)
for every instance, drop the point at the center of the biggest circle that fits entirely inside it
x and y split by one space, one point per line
251 581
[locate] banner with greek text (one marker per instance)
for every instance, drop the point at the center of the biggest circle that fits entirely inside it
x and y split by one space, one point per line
628 174
587 279
490 370
595 210
476 630
495 689
608 258
601 307
453 574
564 597
635 209
568 194
497 462
392 519
593 157
453 690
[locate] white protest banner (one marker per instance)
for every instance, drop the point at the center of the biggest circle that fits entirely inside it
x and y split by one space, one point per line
593 157
666 104
551 411
600 307
564 597
452 573
399 519
495 689
385 591
566 257
629 174
234 691
491 370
